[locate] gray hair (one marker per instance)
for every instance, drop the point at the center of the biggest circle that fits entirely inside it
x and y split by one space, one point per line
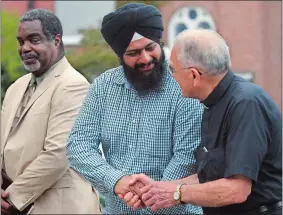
50 23
205 49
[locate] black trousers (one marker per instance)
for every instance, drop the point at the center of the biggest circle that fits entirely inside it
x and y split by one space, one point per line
276 211
273 212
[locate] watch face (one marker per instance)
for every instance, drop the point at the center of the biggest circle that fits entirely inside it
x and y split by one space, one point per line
176 196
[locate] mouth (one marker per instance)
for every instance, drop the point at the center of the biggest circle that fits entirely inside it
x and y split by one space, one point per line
29 60
147 68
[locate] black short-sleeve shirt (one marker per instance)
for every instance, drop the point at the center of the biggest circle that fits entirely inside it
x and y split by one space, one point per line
241 135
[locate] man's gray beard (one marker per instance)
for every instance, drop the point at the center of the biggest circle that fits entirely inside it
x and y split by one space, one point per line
32 67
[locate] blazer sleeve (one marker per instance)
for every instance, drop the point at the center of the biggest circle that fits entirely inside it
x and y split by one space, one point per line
51 163
3 128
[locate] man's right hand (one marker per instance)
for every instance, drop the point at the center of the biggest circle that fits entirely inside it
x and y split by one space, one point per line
144 179
122 187
133 197
5 206
129 192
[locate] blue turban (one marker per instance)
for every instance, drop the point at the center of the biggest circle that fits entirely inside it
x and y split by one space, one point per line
119 27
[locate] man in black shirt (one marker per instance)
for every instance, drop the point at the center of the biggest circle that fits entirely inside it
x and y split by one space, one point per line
239 161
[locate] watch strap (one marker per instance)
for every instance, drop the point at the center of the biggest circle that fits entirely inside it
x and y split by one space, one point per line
179 191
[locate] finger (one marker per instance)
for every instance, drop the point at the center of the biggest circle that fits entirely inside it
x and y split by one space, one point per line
140 184
149 202
134 179
136 188
120 196
146 196
146 188
138 205
154 208
128 197
132 189
5 194
5 205
133 201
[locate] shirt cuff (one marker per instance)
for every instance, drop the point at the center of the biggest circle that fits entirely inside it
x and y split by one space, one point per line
241 170
111 179
19 202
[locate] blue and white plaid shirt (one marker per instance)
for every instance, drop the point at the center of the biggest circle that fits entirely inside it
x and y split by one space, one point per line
154 134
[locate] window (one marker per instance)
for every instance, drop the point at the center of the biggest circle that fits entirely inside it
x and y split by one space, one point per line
188 18
179 28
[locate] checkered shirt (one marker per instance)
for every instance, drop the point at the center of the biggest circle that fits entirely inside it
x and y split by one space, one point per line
154 134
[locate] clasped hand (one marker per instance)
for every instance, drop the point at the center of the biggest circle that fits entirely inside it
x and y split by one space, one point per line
139 191
5 206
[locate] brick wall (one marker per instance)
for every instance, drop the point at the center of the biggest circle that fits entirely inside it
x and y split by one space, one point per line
21 7
252 29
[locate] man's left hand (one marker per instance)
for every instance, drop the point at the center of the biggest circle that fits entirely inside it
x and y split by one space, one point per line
159 195
5 206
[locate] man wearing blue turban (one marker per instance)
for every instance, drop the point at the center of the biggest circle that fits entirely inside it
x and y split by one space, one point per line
119 27
137 113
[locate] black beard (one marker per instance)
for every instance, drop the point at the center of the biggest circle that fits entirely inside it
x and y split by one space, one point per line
142 83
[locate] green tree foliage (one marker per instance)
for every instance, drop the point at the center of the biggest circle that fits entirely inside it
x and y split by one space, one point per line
94 55
10 61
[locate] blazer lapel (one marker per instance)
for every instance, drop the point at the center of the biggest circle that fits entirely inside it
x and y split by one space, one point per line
50 79
13 106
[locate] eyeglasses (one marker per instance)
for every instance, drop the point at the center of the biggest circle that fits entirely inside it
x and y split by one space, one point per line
172 71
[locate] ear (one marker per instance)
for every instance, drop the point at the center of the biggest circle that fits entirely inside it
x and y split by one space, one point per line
196 76
186 74
57 40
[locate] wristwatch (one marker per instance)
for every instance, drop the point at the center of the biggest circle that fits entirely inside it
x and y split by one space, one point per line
177 194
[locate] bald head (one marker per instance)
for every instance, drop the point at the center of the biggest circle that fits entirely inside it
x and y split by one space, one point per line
204 49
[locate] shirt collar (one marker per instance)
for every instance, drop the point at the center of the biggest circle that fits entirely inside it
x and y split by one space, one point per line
119 76
218 91
39 79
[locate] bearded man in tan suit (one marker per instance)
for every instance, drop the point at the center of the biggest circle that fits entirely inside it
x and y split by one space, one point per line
37 114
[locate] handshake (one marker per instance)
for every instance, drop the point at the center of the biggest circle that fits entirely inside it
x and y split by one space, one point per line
139 191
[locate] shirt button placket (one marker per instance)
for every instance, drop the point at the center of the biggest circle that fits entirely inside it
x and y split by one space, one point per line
135 123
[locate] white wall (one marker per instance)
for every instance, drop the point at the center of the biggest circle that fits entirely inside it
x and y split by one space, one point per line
76 15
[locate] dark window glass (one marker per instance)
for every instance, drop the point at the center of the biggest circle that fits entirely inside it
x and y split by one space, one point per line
30 4
179 28
204 25
193 14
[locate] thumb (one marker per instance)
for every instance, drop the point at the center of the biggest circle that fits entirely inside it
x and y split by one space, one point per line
120 196
140 177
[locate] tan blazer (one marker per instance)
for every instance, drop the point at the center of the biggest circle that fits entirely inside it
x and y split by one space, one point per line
34 152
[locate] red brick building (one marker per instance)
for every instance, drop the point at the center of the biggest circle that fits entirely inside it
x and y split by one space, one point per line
21 7
252 30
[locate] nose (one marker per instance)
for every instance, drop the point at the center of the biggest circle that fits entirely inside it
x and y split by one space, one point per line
26 47
144 57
